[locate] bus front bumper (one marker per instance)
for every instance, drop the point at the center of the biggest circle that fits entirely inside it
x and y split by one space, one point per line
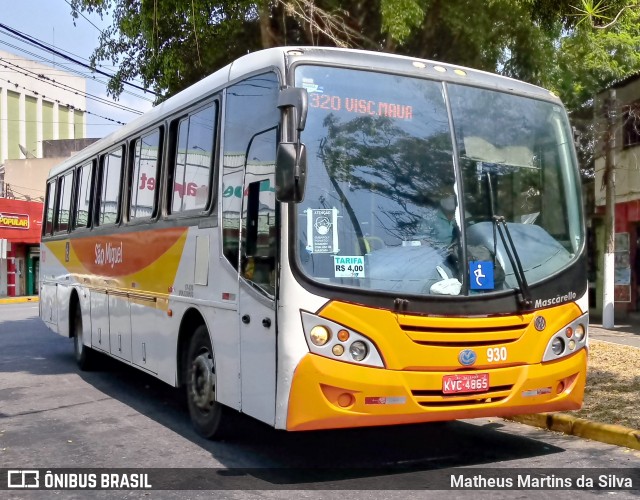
329 394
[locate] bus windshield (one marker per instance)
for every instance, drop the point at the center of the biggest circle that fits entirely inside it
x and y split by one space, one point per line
396 183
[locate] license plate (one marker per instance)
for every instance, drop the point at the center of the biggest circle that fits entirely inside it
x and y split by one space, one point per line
465 382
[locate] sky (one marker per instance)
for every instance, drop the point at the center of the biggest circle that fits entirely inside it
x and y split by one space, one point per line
50 22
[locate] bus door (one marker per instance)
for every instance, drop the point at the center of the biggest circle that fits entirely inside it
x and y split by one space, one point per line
257 281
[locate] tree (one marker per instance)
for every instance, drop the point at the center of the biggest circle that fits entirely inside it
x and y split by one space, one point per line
173 43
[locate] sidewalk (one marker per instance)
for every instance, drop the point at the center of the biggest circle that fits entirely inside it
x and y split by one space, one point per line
18 300
626 331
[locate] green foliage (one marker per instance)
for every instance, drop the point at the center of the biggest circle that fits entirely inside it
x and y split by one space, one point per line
399 17
574 47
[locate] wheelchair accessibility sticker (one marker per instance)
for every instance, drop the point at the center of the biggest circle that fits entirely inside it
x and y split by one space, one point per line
481 275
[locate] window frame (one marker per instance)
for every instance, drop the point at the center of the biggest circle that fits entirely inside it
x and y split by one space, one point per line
171 159
50 190
130 169
91 163
98 198
631 125
60 185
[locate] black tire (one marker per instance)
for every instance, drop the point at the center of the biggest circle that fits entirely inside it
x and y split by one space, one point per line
83 354
210 419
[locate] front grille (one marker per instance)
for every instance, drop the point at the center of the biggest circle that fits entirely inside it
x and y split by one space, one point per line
436 398
440 404
467 333
462 343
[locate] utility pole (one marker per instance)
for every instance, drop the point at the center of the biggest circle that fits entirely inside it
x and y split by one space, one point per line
608 295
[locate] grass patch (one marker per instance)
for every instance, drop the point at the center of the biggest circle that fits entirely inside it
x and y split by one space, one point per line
613 385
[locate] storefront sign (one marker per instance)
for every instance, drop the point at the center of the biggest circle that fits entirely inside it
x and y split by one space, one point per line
14 221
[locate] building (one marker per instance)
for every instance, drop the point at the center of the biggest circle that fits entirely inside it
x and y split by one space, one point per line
42 121
627 196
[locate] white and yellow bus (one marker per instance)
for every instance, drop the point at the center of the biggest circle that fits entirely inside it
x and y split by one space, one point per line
326 238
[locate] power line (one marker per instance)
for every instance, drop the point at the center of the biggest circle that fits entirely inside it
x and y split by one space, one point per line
69 69
87 19
64 56
93 124
25 187
70 106
64 86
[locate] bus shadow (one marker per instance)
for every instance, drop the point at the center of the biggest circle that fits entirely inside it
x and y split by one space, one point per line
289 458
276 457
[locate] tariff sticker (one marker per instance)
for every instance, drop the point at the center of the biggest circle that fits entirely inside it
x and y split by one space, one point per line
348 267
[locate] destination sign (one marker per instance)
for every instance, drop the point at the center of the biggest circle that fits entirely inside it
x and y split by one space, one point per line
361 106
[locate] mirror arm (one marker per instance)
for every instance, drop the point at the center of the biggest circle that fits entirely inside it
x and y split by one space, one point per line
296 98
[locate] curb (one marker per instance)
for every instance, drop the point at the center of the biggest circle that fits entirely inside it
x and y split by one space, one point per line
18 300
606 433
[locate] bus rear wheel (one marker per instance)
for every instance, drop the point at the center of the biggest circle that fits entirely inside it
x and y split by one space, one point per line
83 354
210 419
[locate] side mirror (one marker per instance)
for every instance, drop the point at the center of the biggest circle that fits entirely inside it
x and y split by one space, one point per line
291 172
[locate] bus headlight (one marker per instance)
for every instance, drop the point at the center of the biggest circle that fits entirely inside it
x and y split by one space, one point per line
320 335
323 340
574 335
358 350
557 346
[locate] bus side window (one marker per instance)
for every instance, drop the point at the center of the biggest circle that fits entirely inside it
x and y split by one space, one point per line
83 195
110 187
64 203
194 161
47 227
144 178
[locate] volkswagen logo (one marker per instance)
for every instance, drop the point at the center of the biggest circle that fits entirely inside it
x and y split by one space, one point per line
467 357
540 323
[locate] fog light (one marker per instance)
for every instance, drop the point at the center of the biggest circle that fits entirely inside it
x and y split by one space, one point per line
338 350
572 344
358 350
345 399
320 335
557 346
580 331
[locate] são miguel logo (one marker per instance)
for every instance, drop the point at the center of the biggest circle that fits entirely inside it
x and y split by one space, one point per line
14 221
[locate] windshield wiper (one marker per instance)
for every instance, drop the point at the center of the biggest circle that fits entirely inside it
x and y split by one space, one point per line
500 223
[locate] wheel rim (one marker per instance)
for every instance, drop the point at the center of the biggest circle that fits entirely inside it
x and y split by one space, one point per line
203 381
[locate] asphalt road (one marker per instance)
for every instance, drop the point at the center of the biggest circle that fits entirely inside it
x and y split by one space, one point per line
53 416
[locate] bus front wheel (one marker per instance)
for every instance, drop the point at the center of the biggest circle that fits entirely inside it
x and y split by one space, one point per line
210 418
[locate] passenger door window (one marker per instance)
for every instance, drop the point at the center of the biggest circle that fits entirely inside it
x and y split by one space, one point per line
259 229
251 108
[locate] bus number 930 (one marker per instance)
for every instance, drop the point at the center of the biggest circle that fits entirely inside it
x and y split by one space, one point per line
496 354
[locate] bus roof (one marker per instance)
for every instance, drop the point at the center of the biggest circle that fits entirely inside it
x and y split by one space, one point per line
280 57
